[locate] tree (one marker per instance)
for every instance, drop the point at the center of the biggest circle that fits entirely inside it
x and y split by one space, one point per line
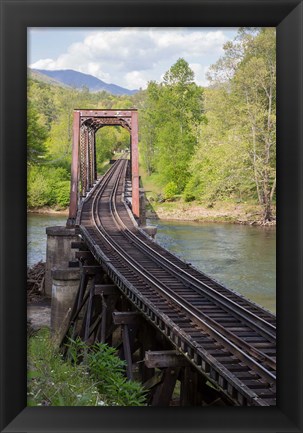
248 71
255 83
36 136
218 165
173 112
148 120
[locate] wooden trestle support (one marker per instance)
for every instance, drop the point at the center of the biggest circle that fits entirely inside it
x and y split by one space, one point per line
102 313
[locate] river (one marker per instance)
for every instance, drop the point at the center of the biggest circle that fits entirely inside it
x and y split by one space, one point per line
239 256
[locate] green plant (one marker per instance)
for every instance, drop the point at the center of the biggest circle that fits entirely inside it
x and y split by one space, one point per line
108 371
48 186
53 381
170 190
62 193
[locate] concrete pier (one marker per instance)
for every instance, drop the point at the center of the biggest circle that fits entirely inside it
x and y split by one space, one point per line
142 219
150 230
65 284
58 251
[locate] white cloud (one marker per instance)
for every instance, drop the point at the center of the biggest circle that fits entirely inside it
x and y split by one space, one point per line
48 64
199 72
135 80
132 56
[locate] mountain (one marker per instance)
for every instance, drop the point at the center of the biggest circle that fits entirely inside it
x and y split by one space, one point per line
78 80
35 75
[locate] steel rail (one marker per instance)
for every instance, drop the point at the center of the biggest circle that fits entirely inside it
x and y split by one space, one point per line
269 331
233 348
233 337
196 312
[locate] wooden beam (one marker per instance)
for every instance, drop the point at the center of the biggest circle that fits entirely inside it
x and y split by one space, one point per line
127 351
92 270
164 359
106 289
73 264
163 393
189 395
83 255
126 318
153 381
79 245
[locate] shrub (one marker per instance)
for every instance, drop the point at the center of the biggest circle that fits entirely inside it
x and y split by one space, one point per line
38 191
48 186
62 193
108 371
170 190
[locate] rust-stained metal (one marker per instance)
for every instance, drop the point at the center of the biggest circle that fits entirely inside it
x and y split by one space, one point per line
112 112
84 161
74 170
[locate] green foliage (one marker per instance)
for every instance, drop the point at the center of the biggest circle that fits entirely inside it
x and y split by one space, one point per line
36 136
191 191
255 85
109 373
236 152
62 193
91 376
172 113
170 190
48 186
50 133
51 381
110 139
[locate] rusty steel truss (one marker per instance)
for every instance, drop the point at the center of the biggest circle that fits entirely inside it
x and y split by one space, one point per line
84 166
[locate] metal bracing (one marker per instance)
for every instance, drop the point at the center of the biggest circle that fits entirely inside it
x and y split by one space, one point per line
84 161
90 158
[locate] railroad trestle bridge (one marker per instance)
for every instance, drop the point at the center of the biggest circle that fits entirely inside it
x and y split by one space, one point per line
170 322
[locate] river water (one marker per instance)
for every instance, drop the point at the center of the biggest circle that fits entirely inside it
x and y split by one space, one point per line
241 257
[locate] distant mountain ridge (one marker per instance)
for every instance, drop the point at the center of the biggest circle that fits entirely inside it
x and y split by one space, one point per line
35 75
77 80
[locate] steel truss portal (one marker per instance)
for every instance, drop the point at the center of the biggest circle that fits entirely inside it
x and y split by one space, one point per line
84 167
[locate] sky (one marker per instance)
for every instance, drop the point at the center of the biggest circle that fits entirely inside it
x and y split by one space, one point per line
128 57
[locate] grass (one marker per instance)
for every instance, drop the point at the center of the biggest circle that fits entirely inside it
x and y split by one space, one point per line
88 377
151 184
55 382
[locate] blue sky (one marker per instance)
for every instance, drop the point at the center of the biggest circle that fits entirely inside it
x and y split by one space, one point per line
129 57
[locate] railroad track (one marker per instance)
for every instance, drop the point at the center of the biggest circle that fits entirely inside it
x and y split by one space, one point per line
228 338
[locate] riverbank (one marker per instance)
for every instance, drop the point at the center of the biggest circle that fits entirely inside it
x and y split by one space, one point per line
222 212
48 211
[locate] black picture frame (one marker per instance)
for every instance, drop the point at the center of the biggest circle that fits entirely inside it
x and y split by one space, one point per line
16 16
